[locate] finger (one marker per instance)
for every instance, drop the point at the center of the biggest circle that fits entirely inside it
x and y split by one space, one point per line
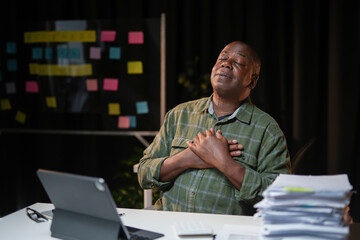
235 153
232 141
200 134
208 132
235 147
212 131
190 145
196 139
219 134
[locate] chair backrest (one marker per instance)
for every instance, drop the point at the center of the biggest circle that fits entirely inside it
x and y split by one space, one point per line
297 157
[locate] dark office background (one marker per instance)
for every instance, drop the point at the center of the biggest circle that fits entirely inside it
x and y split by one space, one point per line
309 82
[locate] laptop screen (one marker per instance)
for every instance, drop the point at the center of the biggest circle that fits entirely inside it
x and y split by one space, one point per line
80 194
85 208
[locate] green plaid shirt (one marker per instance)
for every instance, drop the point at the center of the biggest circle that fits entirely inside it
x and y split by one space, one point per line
265 155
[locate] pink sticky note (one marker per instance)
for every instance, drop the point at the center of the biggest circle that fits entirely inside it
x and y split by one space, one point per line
108 36
92 84
31 87
136 37
95 53
124 122
111 84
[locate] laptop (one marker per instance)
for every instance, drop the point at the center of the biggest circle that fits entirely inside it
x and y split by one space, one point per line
85 209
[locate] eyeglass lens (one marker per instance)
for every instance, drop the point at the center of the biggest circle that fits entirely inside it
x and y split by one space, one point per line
35 216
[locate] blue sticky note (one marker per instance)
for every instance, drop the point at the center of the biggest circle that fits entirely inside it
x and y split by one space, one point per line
62 52
132 121
114 52
74 53
48 53
142 107
11 65
11 47
37 53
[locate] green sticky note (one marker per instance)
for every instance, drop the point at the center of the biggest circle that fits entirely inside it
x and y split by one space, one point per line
48 53
298 189
142 107
114 53
37 53
74 53
11 47
132 121
62 52
12 65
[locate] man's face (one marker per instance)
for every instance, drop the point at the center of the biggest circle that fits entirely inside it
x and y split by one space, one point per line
233 72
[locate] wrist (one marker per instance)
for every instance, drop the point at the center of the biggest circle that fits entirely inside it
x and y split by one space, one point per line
189 157
230 166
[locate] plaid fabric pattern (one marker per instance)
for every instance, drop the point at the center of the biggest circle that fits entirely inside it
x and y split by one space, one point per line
265 155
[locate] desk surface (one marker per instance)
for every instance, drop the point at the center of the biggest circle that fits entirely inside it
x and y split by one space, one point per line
18 226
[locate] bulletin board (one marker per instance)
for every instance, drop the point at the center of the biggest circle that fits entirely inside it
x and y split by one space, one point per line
83 75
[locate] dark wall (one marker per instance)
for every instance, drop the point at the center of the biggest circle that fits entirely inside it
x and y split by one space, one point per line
309 80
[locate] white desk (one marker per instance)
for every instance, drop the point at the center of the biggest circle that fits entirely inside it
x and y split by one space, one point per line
19 226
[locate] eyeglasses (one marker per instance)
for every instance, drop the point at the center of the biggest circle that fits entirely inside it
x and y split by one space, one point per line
35 215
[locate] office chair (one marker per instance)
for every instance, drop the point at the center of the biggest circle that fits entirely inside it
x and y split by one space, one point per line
297 157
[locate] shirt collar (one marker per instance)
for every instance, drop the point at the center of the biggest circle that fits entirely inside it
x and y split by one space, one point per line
243 113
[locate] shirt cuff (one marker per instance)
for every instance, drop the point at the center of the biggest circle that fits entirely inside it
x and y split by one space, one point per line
246 192
155 172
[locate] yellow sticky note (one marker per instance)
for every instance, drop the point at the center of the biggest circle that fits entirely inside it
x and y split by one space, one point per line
134 67
20 117
51 102
114 109
74 70
34 68
60 36
5 104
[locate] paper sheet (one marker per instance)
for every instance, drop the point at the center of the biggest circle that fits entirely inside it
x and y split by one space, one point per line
239 232
317 183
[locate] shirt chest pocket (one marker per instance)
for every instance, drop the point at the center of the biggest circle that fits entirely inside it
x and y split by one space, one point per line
178 145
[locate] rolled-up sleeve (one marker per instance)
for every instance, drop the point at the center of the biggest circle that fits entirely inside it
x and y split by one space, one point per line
154 156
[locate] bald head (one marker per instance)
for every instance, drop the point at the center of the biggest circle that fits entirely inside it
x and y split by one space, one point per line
235 72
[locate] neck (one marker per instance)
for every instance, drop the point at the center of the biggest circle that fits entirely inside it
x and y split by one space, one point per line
223 108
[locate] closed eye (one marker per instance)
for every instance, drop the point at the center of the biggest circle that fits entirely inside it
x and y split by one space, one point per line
223 58
239 64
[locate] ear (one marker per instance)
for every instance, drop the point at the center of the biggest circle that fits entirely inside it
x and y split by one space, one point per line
254 79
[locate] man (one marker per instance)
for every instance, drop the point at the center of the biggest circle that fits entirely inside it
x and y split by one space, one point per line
217 154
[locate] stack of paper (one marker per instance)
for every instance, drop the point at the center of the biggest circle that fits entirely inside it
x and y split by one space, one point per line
305 207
